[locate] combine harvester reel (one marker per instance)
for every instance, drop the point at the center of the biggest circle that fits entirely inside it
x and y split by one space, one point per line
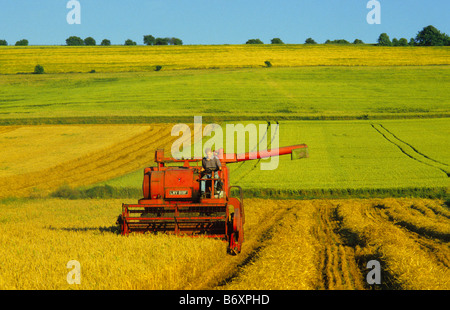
173 202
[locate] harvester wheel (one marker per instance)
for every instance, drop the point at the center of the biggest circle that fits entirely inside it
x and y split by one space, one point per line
236 232
122 224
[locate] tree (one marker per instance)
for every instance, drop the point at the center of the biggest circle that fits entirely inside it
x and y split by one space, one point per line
89 41
149 39
74 41
39 69
175 41
447 40
162 41
23 42
403 42
383 40
394 42
412 42
3 42
105 42
430 36
276 41
340 41
358 41
254 41
130 42
310 41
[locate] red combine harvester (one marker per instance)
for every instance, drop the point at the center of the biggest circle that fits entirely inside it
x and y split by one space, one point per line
173 202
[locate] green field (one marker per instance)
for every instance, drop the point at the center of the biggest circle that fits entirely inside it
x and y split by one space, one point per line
353 154
229 94
362 158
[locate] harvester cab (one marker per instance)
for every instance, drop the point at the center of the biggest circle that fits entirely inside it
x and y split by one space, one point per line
173 203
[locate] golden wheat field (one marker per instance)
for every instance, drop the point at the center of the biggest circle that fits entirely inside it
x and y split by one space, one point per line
37 159
289 244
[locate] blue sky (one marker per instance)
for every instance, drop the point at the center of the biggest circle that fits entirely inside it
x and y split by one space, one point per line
43 22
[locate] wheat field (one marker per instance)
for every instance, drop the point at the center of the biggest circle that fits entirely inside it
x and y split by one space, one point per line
326 244
289 244
38 159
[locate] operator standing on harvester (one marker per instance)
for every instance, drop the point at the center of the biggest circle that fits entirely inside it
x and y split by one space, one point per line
210 164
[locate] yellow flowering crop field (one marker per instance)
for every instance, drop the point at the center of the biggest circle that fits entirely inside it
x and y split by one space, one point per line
68 59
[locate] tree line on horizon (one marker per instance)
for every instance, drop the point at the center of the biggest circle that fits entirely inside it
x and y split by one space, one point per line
90 41
428 36
148 40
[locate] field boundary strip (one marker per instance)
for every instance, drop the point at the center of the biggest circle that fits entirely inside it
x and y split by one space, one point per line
208 118
409 150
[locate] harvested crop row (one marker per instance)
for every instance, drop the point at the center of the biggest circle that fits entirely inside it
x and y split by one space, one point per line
418 218
326 244
261 216
409 262
304 251
338 266
287 257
